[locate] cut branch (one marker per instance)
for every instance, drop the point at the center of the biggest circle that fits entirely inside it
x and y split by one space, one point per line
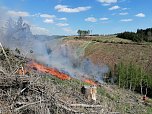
86 105
68 109
24 106
6 56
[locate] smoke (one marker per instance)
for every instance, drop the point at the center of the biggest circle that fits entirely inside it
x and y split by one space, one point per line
52 51
70 60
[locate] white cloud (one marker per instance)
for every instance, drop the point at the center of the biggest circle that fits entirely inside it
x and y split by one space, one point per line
62 24
124 8
105 4
49 21
64 18
39 30
66 9
91 19
126 20
140 15
114 8
104 19
107 1
47 16
123 13
18 13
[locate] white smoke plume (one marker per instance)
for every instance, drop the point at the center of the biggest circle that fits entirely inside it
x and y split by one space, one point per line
50 50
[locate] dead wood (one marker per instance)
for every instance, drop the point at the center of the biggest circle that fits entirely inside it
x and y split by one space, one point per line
28 104
4 72
6 56
68 109
114 113
86 105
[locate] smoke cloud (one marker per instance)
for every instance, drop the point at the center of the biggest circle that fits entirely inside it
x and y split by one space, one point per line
51 51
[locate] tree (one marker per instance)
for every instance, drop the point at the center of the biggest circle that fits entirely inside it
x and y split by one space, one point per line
139 36
79 33
83 33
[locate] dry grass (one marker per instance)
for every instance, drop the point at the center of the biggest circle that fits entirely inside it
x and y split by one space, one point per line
111 38
111 50
106 39
110 53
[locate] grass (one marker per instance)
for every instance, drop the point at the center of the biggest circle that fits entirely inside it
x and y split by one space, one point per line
149 110
73 82
110 39
104 39
101 91
114 53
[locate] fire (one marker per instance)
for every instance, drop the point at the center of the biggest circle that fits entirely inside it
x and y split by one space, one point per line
55 72
91 82
49 70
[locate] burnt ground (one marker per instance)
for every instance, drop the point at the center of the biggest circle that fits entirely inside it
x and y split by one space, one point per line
42 93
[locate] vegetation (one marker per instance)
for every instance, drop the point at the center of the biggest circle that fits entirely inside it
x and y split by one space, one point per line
110 39
136 61
139 36
133 77
130 70
83 33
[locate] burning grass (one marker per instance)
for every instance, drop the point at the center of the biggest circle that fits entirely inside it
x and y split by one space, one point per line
54 72
91 82
49 70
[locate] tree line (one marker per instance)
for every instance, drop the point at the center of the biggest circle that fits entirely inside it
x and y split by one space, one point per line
139 36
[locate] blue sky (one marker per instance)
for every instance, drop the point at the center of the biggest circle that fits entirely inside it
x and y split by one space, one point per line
65 17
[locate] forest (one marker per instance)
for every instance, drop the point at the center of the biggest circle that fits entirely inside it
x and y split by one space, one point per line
140 36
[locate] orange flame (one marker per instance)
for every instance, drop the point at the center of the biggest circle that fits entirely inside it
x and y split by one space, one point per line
91 82
55 72
49 70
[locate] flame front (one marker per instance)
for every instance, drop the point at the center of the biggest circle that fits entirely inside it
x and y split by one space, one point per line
55 72
49 70
90 82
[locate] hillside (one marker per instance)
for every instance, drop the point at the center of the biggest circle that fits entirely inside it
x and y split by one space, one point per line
41 93
111 50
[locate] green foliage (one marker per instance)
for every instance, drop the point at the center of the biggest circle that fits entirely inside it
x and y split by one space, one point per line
83 33
149 110
139 36
132 77
101 91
